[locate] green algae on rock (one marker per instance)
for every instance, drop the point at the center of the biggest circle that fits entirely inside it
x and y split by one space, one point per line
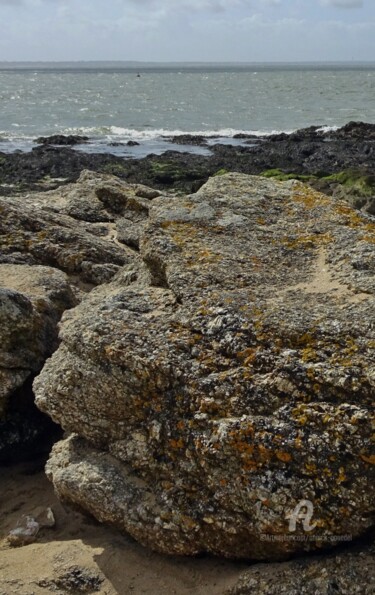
227 381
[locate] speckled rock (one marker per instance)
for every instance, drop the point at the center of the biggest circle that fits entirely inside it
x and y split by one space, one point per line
349 573
43 229
95 197
225 395
32 300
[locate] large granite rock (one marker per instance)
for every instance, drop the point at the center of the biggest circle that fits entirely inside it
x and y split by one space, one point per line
66 229
223 395
32 300
72 229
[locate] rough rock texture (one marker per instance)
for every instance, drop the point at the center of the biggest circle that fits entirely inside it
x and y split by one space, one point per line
230 381
347 573
65 229
32 300
72 229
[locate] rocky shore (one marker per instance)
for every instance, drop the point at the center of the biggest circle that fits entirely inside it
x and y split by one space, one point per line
205 340
340 163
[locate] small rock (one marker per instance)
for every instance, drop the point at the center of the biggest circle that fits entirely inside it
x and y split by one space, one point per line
25 532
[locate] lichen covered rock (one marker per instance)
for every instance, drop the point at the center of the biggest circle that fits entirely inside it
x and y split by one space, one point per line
346 573
36 230
32 300
224 395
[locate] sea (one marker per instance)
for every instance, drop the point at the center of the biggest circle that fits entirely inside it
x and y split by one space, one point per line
114 103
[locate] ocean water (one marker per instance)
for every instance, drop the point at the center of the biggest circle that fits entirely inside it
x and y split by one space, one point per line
115 105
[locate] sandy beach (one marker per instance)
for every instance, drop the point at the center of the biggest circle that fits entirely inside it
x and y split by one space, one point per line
98 558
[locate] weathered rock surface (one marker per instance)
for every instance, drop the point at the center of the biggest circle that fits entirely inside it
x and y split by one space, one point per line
346 573
32 300
230 382
58 228
72 229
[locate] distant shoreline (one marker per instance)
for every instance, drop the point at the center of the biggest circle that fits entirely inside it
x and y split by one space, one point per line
131 66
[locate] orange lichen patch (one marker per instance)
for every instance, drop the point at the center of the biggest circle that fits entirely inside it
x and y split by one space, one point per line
306 241
213 408
370 459
309 355
352 217
369 239
299 414
327 472
206 255
342 475
245 430
264 454
309 197
247 356
285 457
244 447
311 468
298 442
249 466
176 444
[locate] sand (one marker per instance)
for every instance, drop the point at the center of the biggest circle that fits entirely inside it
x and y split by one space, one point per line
80 555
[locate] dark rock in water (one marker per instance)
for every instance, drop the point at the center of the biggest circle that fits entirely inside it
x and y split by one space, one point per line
220 394
242 135
61 139
189 139
309 152
29 170
132 143
354 130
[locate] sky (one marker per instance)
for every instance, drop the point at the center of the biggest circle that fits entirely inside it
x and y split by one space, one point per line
188 30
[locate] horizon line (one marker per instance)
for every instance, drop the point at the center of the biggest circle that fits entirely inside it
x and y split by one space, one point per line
352 61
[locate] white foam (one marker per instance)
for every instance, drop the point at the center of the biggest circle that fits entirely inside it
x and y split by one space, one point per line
157 133
326 129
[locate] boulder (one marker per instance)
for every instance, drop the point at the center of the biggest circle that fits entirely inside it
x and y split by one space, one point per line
32 300
220 396
61 139
346 573
95 197
40 229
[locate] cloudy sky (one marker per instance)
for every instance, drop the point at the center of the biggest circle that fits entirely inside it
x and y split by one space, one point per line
188 30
